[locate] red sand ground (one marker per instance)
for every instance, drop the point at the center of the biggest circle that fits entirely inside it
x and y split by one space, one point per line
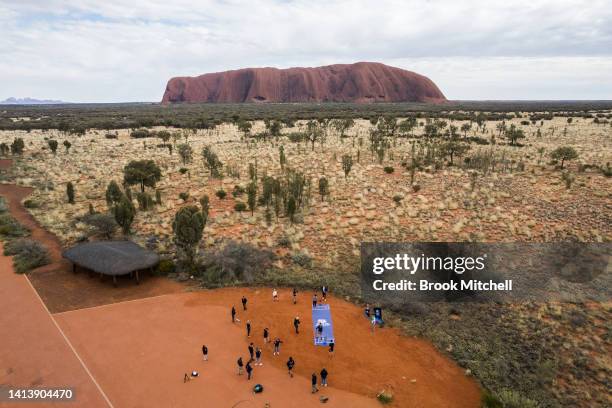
156 340
33 352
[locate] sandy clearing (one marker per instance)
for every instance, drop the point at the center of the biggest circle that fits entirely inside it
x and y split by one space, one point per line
139 351
156 340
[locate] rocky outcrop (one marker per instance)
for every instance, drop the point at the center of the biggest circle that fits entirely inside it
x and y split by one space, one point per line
360 82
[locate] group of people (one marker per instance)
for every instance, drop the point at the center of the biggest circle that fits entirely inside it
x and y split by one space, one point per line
256 354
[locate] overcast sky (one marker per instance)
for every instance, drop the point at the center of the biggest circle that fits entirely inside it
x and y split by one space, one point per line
113 50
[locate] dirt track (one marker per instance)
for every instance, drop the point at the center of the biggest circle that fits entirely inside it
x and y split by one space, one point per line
61 289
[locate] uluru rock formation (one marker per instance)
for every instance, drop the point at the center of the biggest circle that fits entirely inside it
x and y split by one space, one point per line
359 82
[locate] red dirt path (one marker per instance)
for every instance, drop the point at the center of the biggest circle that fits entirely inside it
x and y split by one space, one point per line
33 352
63 290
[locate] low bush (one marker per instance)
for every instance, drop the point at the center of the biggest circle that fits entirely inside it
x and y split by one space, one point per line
102 224
221 194
284 241
384 398
165 267
302 259
235 261
30 204
184 196
389 169
10 228
27 254
240 206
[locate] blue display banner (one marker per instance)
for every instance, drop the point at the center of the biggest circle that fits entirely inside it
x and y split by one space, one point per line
322 325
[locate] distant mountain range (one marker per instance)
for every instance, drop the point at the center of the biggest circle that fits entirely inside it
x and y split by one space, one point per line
30 101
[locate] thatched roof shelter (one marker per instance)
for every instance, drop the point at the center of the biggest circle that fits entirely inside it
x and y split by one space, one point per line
111 258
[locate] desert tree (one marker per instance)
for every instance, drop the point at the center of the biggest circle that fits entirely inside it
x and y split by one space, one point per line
514 134
142 172
124 213
454 148
186 153
70 192
17 146
164 135
212 162
4 149
323 187
314 132
113 193
252 196
205 204
282 157
52 145
406 126
245 127
347 164
67 145
564 153
343 125
188 228
291 208
465 128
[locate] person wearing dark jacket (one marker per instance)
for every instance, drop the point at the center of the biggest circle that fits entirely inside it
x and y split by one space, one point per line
244 303
205 352
294 296
240 365
233 314
249 370
290 365
266 335
313 381
323 377
331 348
248 328
258 357
296 324
277 343
251 351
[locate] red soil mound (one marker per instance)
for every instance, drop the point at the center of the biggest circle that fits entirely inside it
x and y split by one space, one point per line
360 82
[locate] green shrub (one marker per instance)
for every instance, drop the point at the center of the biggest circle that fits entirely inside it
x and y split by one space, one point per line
165 267
389 169
184 196
3 205
27 254
302 259
221 194
10 228
284 241
240 206
183 170
238 191
102 224
145 201
236 261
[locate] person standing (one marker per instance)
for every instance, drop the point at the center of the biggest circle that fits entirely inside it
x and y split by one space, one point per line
258 357
320 330
233 314
248 328
266 335
296 324
249 370
277 343
324 293
244 303
205 352
240 365
331 349
275 295
314 300
323 377
251 351
294 296
290 365
367 310
313 381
